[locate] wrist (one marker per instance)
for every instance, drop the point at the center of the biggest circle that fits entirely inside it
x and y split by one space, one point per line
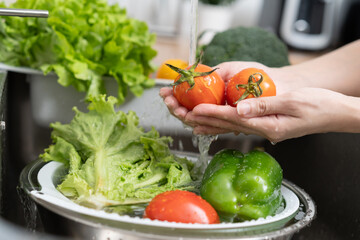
349 120
294 77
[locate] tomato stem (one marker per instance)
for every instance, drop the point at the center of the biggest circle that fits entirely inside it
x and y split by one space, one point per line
189 75
252 87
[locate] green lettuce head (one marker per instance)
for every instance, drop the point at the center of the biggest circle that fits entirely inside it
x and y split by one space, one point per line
111 160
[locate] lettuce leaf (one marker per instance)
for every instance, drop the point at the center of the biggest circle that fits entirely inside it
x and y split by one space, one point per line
111 160
81 41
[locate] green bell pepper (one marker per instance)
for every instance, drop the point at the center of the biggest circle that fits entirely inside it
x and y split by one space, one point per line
242 186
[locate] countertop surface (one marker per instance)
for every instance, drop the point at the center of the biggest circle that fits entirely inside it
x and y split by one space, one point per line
168 48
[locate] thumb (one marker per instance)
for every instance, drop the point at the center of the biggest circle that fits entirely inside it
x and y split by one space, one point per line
257 107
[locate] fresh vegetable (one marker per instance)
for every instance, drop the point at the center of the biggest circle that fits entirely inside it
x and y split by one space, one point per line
81 41
249 83
181 206
242 186
245 44
111 160
165 72
198 84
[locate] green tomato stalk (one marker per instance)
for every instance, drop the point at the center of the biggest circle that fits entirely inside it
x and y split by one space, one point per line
189 75
252 87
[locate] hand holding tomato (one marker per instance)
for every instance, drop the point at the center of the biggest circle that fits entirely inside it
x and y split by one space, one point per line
249 83
198 84
219 119
288 115
181 206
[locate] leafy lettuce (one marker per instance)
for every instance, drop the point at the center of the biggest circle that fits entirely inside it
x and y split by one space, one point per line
111 160
81 41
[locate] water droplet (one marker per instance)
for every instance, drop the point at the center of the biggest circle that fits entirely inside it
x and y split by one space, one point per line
2 125
181 145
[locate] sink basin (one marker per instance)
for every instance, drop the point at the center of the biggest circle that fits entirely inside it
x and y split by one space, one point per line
39 181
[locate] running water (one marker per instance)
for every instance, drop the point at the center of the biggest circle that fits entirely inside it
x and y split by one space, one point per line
201 141
193 31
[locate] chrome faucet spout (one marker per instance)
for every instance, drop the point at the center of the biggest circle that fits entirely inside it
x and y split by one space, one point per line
24 12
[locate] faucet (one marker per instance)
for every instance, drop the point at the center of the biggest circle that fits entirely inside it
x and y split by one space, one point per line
24 12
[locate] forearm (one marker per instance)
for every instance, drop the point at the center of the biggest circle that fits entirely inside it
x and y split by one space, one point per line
338 71
347 117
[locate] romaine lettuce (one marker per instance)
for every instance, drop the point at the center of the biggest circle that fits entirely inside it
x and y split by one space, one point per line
111 160
81 41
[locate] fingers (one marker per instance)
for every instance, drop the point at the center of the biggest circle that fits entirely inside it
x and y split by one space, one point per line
172 104
257 107
165 91
227 119
217 111
209 130
219 117
214 124
227 70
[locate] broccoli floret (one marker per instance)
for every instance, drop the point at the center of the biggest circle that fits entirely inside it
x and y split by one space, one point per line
246 44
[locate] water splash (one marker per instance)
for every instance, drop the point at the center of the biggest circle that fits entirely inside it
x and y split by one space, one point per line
203 142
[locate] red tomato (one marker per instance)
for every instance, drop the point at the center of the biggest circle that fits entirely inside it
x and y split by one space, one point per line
199 85
181 206
249 83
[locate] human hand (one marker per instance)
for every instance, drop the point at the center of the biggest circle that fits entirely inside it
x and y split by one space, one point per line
283 78
289 115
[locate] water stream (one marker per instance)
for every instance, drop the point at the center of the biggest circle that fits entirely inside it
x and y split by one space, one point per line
193 31
201 141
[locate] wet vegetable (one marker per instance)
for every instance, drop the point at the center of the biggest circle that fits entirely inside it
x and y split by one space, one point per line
181 206
111 160
249 83
198 84
242 186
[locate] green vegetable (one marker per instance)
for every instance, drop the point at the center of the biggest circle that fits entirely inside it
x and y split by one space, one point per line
246 44
111 160
242 186
81 41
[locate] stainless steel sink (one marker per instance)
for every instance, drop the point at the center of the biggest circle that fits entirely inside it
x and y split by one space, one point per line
326 166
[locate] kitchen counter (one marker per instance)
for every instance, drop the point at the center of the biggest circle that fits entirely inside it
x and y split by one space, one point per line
179 48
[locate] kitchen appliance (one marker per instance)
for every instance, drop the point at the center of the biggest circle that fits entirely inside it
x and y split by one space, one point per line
313 24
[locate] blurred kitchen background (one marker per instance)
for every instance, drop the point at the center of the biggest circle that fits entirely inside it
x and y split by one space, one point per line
308 27
326 166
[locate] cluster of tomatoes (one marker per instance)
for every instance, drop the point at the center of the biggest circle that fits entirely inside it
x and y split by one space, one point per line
201 84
